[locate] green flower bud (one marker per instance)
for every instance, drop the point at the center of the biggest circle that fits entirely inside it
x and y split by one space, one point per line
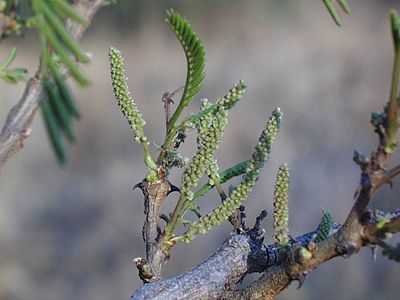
281 210
324 227
303 255
124 98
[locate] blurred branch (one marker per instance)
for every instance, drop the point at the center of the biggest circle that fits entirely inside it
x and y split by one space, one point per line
16 128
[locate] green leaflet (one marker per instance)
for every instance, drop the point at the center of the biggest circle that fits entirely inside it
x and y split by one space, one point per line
59 110
12 76
58 117
67 11
332 10
49 20
56 24
195 58
53 131
64 91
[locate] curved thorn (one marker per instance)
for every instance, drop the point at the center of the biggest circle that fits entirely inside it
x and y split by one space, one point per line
174 188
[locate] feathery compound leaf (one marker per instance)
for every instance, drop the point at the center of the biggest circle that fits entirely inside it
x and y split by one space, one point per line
195 58
281 206
324 227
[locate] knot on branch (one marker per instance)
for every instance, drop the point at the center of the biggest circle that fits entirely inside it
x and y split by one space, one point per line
301 261
145 272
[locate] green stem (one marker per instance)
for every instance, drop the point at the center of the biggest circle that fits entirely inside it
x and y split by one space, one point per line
174 218
10 58
392 108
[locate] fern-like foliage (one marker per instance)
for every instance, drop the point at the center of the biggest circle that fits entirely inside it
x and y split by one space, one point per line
59 52
57 49
195 57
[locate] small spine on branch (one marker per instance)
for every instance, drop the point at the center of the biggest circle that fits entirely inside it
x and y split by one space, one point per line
324 227
281 207
242 191
128 105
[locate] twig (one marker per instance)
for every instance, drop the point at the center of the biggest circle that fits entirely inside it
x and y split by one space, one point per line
234 219
20 117
155 194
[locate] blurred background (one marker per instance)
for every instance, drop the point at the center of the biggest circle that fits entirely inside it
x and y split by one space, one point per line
72 233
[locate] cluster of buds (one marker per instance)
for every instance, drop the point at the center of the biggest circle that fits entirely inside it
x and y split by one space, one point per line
125 100
281 208
233 96
242 191
210 129
195 169
263 147
325 226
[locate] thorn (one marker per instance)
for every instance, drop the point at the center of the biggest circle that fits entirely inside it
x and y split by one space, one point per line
356 193
374 252
301 280
174 188
292 239
390 183
350 250
138 185
164 217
